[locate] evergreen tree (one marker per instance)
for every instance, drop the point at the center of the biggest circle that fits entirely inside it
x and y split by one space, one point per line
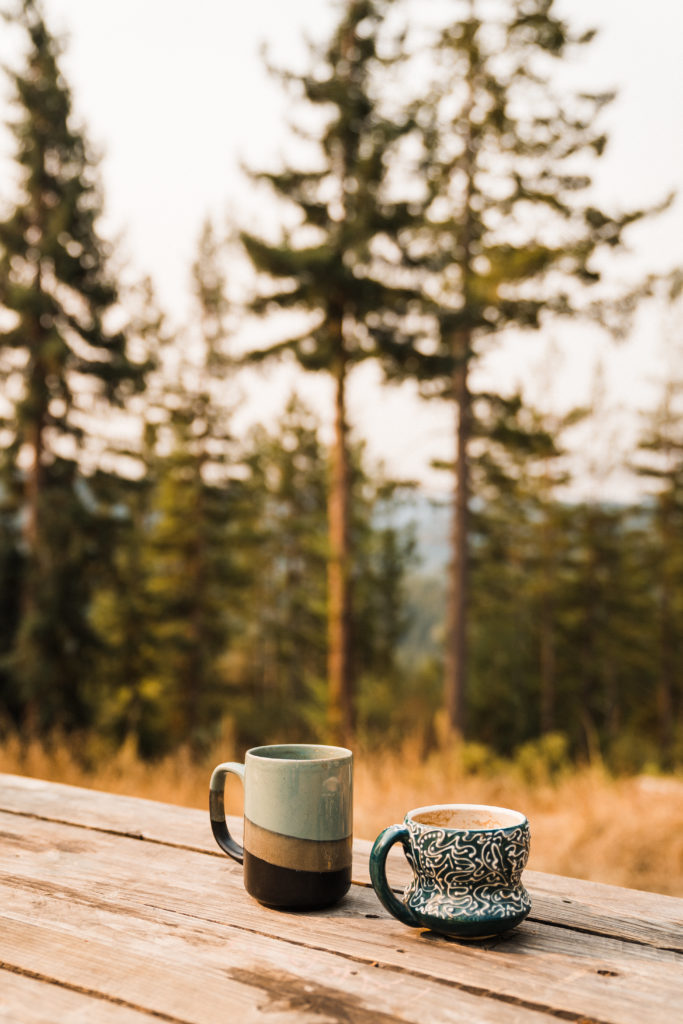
390 698
277 662
518 552
507 233
63 362
129 701
196 521
326 267
660 462
603 651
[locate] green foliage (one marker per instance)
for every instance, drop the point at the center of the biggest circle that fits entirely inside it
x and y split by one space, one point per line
207 593
478 759
277 665
660 462
545 759
506 238
332 267
165 621
60 362
327 266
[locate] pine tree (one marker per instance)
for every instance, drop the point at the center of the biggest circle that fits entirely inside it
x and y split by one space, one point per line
517 559
277 662
602 655
197 517
660 462
507 233
390 699
66 363
326 267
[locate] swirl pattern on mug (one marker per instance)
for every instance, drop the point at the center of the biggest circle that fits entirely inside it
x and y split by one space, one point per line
468 874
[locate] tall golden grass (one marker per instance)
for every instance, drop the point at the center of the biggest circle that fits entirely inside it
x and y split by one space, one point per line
585 823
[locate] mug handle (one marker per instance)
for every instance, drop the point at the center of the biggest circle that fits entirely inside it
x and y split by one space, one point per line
378 873
219 825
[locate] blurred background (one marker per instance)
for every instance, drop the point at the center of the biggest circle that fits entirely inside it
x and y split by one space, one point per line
341 380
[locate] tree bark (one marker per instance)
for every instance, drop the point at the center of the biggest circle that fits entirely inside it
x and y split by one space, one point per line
33 490
547 663
455 678
340 672
667 644
458 598
547 657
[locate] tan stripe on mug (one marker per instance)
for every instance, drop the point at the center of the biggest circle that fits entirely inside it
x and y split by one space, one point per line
299 854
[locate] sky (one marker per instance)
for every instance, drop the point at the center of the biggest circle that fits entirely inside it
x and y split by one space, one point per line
175 96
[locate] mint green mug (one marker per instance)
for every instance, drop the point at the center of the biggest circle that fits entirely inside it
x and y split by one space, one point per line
298 800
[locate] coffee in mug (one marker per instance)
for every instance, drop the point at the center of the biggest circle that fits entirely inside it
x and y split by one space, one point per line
297 823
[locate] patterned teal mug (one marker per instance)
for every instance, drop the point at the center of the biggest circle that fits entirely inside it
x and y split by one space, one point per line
297 823
467 862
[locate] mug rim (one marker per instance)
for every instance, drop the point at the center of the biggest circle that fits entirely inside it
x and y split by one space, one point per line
410 817
331 753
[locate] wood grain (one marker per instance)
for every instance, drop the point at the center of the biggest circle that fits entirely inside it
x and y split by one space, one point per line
627 914
28 1000
104 898
182 967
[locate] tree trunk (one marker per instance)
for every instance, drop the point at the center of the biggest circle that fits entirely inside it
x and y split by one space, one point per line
37 393
455 680
340 674
667 644
547 658
33 490
547 664
458 598
35 570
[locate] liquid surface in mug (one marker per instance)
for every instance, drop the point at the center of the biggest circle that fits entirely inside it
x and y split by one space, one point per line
470 818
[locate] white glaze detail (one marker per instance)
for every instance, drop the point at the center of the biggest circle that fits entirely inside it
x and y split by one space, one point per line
468 875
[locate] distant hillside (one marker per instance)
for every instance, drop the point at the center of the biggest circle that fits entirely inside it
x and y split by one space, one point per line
430 519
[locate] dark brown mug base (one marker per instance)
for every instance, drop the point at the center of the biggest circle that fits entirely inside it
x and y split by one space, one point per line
289 889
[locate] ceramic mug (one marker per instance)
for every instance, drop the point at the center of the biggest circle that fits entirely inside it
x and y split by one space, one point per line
297 823
467 862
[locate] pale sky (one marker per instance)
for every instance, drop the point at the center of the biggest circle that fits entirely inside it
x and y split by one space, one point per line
175 96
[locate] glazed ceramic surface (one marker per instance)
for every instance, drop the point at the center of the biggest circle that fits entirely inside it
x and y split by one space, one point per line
297 822
467 863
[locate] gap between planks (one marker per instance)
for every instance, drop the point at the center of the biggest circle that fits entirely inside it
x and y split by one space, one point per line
24 972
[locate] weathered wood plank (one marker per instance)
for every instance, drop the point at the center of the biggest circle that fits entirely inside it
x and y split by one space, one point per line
184 971
627 914
141 819
180 993
167 976
30 1000
553 970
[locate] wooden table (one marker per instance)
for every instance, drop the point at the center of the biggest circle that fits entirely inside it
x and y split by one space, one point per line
114 909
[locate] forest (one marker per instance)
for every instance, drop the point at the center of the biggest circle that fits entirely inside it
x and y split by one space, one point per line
166 581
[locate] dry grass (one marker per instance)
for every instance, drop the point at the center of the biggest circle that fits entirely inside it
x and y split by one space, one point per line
585 824
624 831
